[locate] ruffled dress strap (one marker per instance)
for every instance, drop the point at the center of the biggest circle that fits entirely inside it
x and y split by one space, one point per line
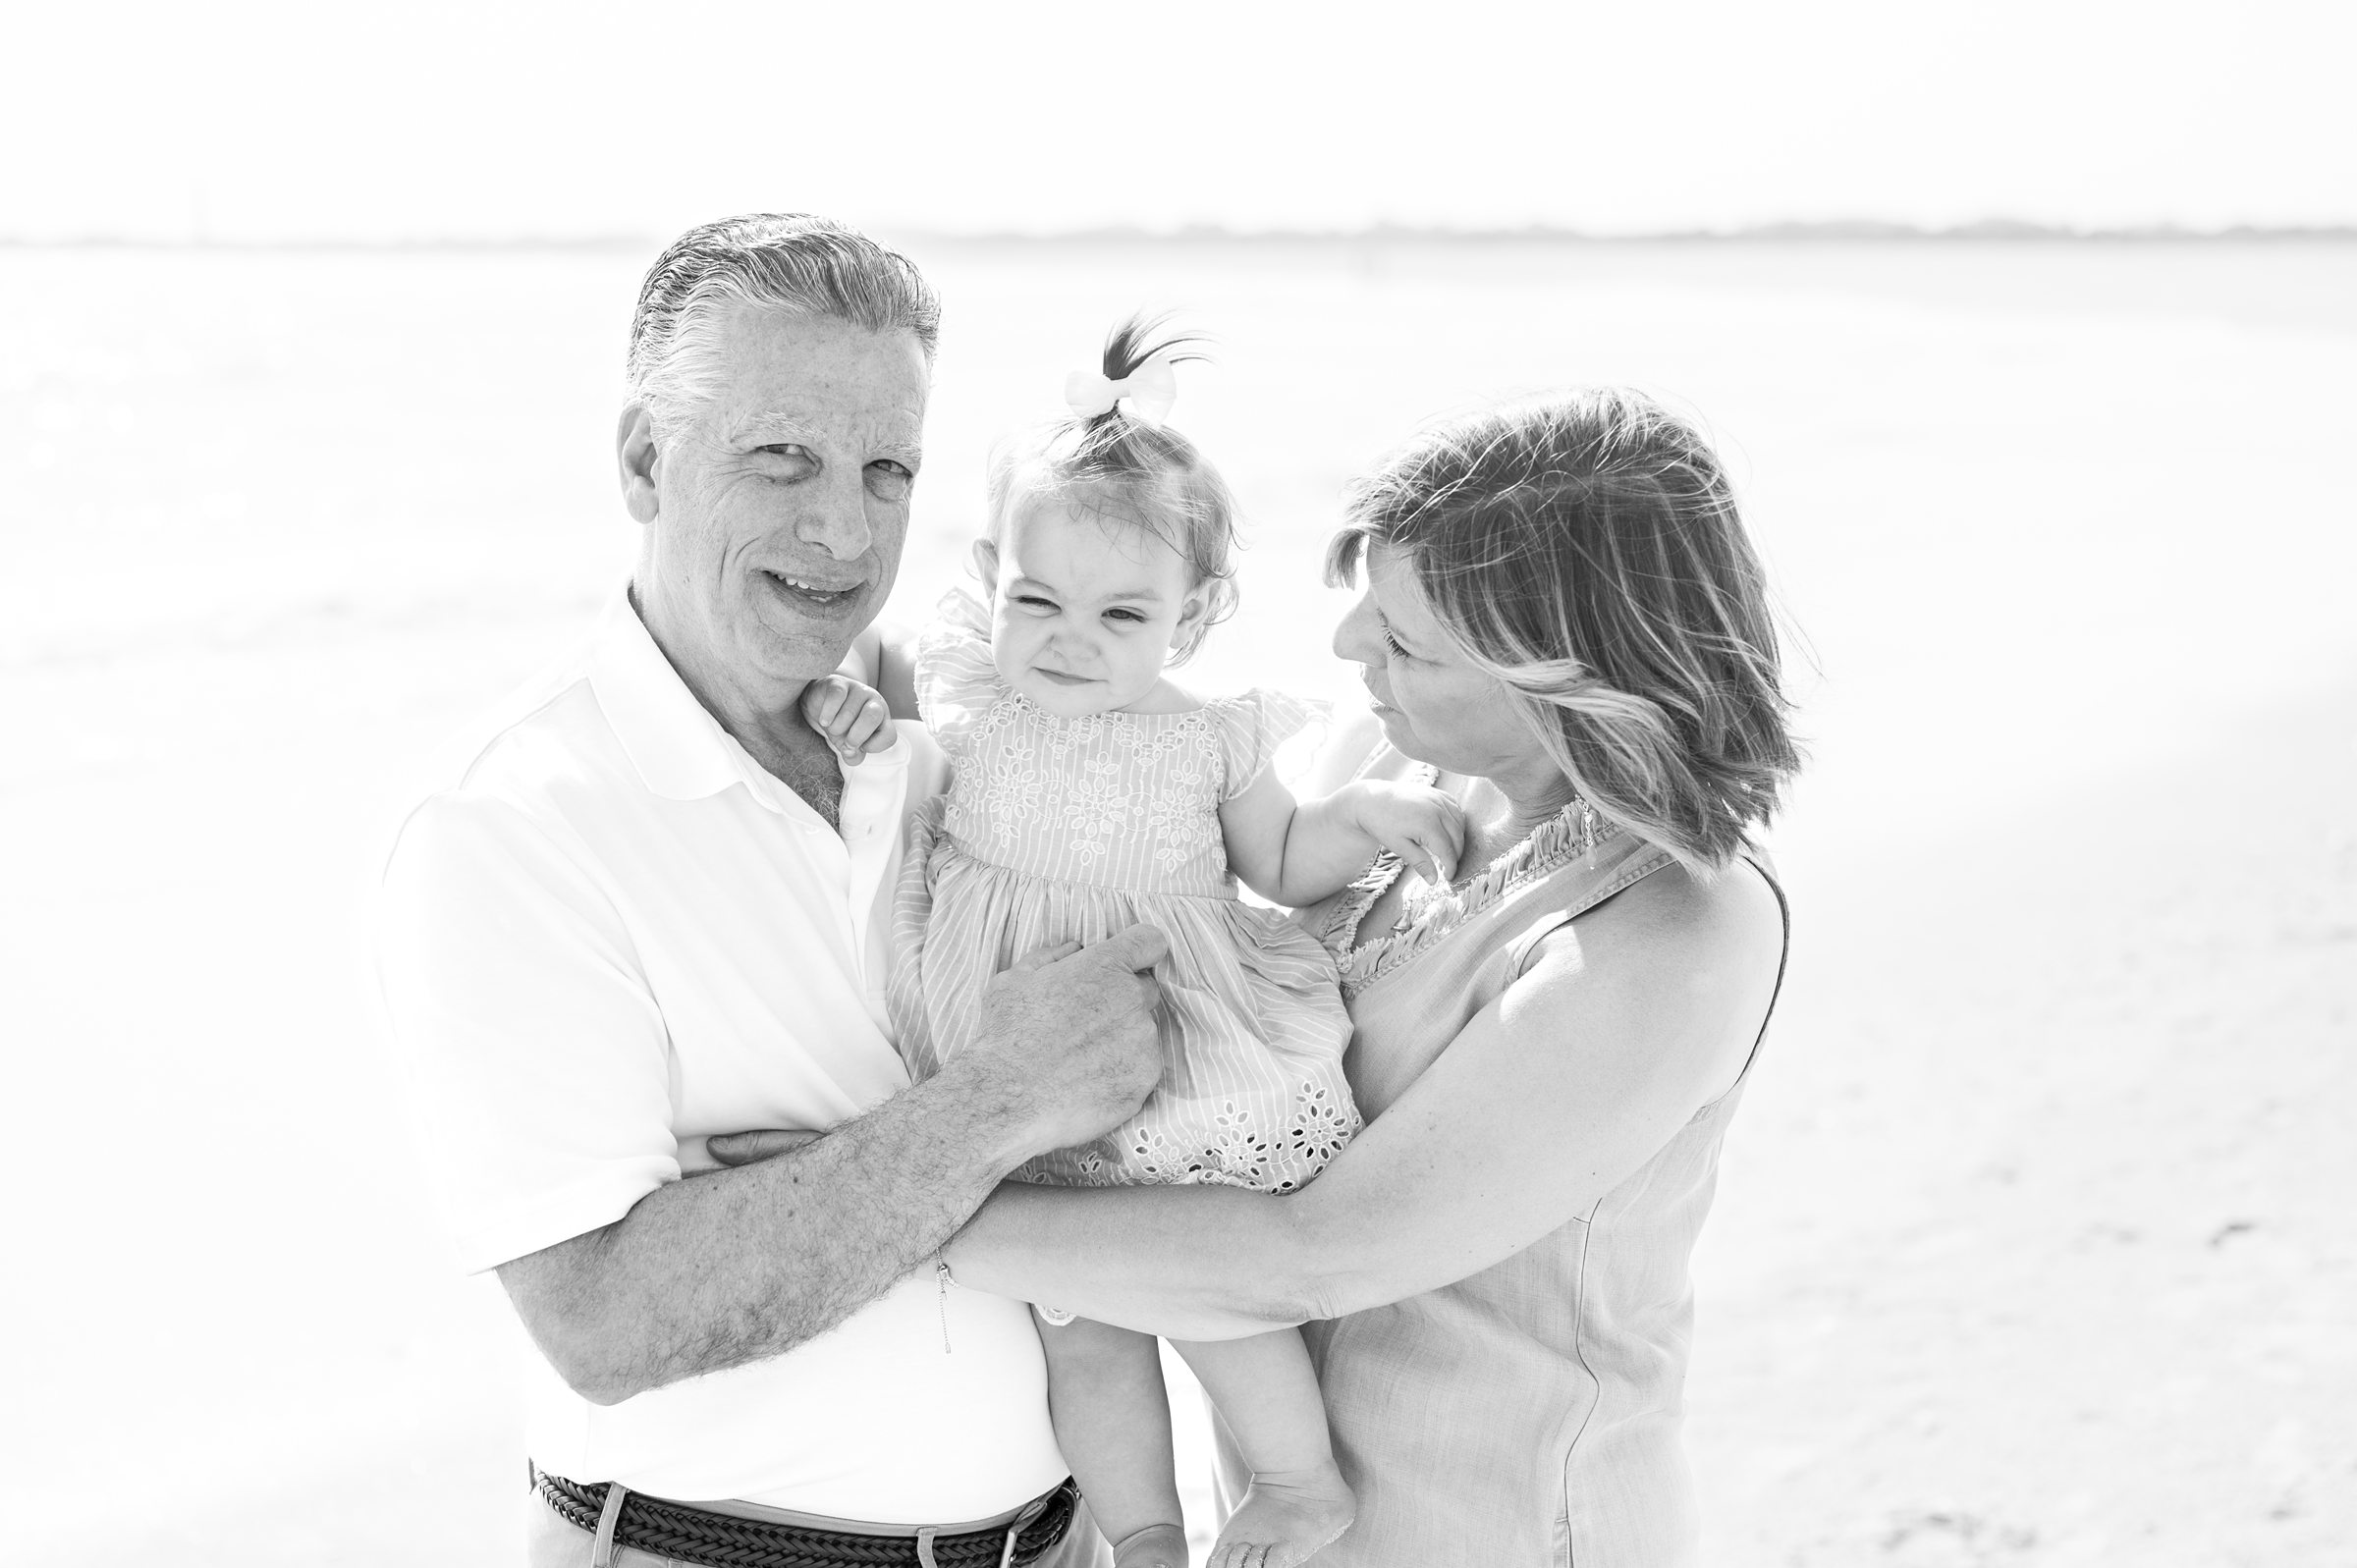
1252 726
955 680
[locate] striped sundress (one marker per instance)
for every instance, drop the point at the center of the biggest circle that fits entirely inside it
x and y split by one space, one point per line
1058 830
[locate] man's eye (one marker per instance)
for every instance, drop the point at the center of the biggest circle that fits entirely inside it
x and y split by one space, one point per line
783 449
889 482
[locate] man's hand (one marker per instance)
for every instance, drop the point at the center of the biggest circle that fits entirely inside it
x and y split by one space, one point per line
1069 1034
852 718
1069 1041
702 1275
1424 828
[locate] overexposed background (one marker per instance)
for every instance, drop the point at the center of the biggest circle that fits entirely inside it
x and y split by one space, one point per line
2031 1244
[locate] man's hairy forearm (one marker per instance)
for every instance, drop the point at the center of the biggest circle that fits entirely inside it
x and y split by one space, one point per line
745 1264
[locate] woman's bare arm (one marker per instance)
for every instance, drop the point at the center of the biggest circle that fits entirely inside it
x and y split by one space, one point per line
1630 1022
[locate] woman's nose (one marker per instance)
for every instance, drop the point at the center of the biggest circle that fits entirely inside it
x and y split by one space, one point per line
1354 637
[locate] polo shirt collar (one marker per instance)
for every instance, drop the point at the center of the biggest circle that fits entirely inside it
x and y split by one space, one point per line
679 751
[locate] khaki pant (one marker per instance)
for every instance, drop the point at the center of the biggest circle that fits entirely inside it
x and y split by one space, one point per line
550 1542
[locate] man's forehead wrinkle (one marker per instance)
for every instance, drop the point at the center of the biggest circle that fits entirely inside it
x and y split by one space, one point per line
774 422
814 422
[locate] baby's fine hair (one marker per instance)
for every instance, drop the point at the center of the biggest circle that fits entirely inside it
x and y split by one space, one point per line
1126 471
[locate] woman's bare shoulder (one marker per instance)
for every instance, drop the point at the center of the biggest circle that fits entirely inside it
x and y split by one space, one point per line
1682 916
1672 956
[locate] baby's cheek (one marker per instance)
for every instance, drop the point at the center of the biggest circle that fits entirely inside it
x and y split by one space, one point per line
1006 649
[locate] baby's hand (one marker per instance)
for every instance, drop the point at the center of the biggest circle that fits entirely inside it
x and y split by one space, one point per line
1424 828
853 717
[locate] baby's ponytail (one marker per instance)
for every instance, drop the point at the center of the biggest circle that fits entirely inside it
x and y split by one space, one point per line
1113 454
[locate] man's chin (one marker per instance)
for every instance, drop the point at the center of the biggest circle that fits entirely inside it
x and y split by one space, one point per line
801 648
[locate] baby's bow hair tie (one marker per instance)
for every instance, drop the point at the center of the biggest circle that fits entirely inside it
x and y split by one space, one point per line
1151 390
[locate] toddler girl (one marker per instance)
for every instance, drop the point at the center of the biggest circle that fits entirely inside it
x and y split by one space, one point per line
1091 793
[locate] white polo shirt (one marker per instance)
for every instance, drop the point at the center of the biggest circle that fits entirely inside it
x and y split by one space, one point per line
610 933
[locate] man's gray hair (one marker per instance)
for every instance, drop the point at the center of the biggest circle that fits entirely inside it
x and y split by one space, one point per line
790 262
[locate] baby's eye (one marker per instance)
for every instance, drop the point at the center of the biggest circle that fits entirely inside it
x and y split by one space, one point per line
1130 616
1032 600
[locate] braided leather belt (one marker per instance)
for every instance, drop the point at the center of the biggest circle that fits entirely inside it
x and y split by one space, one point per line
691 1535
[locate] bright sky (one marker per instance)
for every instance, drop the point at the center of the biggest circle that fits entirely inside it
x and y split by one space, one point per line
478 120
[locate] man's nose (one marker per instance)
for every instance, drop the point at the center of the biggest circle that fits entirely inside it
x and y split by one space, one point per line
836 519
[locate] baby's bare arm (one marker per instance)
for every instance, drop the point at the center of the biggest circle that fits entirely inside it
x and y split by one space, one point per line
887 659
1298 851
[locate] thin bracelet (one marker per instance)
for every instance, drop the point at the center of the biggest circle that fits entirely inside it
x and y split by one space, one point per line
944 1279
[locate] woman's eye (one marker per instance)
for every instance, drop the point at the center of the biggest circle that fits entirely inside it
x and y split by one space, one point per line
1393 643
889 482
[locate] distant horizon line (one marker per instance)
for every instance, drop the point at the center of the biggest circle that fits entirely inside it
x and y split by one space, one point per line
1835 230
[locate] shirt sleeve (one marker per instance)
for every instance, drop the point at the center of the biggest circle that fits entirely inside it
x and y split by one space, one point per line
1253 726
539 1072
956 680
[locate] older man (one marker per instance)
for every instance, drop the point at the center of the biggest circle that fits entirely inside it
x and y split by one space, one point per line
646 906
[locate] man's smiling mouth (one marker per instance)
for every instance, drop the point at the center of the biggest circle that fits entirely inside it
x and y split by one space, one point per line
812 592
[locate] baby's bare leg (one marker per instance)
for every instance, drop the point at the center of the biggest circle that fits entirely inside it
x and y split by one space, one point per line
1112 1421
1267 1395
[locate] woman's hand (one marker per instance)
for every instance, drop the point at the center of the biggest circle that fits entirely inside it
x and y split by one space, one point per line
752 1148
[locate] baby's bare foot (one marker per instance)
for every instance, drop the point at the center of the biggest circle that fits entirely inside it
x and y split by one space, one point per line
1285 1517
1155 1547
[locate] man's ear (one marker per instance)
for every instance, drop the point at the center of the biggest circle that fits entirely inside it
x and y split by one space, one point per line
635 452
986 563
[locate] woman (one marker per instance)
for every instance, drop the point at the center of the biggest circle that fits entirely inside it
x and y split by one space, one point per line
1564 624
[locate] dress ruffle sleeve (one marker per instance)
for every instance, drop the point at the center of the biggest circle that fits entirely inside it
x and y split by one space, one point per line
955 680
1251 729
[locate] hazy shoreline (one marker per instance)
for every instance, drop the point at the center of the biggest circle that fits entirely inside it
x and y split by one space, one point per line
1863 232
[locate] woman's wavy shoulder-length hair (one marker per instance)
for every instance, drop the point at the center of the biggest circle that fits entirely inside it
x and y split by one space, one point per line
1586 550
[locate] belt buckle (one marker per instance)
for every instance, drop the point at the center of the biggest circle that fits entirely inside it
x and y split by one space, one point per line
926 1537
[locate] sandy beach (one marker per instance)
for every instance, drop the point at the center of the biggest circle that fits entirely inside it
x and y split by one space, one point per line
2031 1246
